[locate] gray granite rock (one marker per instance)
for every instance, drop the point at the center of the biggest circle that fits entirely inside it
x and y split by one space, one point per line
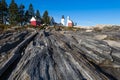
54 55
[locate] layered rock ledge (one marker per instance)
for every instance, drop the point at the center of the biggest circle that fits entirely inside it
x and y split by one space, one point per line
61 55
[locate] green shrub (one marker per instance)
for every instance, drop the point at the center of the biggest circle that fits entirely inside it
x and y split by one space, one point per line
3 27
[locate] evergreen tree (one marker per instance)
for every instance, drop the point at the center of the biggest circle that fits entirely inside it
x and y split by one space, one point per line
21 14
27 16
52 21
38 17
13 12
46 18
3 11
31 11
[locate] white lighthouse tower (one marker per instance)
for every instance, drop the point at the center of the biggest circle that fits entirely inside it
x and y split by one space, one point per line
63 20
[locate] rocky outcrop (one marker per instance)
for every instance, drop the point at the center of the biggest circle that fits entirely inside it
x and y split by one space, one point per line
16 52
68 55
100 37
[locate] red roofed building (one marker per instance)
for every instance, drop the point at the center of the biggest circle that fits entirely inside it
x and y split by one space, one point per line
34 22
69 22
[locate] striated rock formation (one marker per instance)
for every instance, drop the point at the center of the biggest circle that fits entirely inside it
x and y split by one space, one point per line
68 55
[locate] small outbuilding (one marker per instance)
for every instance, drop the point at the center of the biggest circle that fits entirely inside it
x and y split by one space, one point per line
69 22
34 22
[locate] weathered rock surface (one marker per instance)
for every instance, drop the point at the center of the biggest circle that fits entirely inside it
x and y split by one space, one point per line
68 55
100 37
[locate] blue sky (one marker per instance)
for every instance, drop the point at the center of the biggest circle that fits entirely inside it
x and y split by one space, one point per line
83 12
